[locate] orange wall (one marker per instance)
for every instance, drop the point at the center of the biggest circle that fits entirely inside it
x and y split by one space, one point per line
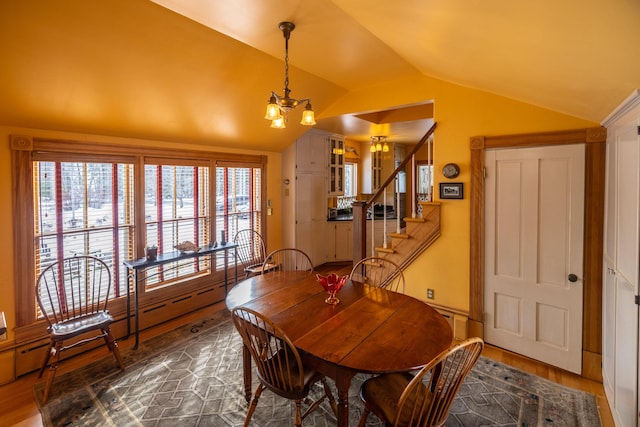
460 113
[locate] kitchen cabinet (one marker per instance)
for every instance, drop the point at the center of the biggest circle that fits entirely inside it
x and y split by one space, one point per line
376 168
339 240
336 165
621 263
305 173
312 152
311 215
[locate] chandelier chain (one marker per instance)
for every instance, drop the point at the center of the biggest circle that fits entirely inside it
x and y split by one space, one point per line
286 66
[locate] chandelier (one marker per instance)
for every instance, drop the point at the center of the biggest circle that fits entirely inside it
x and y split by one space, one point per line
379 143
279 107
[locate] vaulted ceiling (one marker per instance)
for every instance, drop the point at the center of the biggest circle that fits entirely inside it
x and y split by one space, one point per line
201 71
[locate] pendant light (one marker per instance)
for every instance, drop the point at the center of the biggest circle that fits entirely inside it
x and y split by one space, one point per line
280 106
379 143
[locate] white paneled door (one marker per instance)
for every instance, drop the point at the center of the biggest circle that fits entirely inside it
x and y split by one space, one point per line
622 268
533 252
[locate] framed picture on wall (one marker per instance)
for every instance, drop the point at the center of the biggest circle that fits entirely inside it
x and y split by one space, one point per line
451 190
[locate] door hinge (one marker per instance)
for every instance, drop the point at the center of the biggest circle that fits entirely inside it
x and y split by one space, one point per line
484 172
638 130
637 299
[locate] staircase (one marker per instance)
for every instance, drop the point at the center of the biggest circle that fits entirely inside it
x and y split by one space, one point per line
419 232
417 236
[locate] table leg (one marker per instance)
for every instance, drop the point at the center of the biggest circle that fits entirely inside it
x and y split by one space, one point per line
343 382
130 277
137 314
226 266
341 376
246 369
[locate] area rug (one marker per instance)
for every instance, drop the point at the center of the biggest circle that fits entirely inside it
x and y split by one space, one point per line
192 376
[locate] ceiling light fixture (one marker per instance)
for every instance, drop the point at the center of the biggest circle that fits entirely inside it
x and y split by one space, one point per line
279 107
379 143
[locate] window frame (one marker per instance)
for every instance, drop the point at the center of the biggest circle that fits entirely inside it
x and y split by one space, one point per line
353 190
25 149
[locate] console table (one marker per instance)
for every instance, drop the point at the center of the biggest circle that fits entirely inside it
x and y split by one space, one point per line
136 266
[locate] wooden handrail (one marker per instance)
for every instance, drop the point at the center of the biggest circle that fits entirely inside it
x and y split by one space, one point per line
359 207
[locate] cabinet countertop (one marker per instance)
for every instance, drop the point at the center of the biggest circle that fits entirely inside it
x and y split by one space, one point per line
342 217
350 218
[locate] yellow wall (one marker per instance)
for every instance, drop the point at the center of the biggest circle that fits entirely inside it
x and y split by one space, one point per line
460 113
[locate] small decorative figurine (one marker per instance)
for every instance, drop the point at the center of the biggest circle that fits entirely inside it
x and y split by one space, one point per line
151 252
187 246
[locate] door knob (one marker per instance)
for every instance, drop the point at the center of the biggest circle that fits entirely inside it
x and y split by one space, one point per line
572 278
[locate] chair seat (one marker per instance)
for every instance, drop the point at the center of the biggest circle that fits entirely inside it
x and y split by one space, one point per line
254 267
382 393
310 377
79 325
424 398
267 267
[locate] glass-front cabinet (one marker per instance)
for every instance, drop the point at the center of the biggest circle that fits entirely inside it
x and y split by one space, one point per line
336 165
376 170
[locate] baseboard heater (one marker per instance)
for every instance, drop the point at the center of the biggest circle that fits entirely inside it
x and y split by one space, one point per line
457 319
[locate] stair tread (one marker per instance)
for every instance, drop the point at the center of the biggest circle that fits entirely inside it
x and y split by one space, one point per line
415 220
399 235
385 250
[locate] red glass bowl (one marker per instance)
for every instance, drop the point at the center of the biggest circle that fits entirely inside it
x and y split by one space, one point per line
332 283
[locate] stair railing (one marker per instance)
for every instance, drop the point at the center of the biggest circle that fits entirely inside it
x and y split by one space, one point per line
359 208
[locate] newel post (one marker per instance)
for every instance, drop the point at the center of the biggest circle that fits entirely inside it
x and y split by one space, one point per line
359 231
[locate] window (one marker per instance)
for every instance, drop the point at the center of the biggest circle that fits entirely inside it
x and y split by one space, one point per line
83 208
425 181
238 199
97 201
350 186
350 179
176 210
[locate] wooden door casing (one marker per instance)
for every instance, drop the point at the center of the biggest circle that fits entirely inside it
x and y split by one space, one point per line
594 140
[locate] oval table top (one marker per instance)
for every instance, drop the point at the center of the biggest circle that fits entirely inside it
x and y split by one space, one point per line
370 330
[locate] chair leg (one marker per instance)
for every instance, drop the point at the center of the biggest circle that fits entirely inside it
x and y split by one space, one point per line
332 401
113 346
47 356
53 367
298 420
363 418
253 405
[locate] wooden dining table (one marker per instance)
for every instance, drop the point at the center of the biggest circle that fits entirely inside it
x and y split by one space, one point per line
371 330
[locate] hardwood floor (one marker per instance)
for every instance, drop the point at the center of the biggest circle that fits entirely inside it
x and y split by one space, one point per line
19 408
556 375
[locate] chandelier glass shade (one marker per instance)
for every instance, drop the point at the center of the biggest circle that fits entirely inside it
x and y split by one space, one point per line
279 107
379 143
